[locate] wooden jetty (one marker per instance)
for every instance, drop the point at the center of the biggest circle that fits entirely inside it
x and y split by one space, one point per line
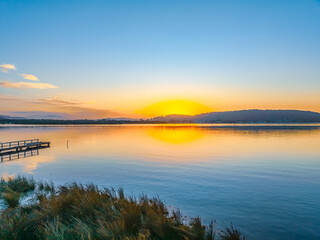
19 146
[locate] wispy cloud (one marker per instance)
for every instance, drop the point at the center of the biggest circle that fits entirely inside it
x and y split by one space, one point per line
57 100
75 109
29 77
54 108
26 85
6 97
41 114
6 67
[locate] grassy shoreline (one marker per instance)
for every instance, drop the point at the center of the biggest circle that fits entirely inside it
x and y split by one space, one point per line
41 210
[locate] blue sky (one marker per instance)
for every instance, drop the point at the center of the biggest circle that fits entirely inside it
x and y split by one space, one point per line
121 56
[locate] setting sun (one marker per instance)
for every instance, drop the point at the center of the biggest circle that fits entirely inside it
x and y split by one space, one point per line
183 107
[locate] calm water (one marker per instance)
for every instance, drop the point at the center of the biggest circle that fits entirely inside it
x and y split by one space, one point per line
264 179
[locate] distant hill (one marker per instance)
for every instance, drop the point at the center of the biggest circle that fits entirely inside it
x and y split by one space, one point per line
247 116
10 118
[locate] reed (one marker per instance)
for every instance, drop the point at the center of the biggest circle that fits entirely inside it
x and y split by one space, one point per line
76 211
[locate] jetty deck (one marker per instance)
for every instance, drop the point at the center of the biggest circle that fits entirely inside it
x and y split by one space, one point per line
23 145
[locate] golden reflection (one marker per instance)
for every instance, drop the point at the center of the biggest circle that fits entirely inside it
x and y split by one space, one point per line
6 176
32 163
175 135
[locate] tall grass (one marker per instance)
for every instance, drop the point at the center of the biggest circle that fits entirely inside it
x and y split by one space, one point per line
76 211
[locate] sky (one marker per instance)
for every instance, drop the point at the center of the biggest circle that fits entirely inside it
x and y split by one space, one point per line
100 59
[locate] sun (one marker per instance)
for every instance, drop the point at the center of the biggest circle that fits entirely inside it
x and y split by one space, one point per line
183 107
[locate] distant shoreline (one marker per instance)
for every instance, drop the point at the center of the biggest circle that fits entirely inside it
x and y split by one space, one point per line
242 125
253 116
114 122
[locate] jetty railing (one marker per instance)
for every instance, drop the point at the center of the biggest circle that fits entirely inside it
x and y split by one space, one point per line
21 143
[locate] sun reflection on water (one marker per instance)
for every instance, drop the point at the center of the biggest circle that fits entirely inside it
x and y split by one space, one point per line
175 135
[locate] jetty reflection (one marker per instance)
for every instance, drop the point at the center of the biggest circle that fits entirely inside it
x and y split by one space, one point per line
18 155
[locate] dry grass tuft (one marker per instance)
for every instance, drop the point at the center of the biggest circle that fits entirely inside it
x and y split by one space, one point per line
76 211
